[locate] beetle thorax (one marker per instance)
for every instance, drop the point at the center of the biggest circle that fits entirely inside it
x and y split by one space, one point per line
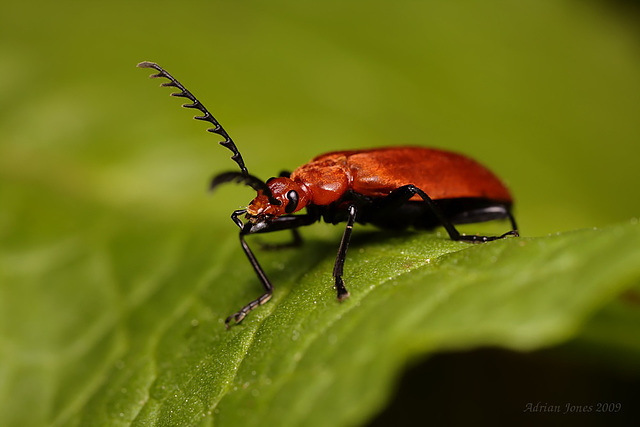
326 178
291 195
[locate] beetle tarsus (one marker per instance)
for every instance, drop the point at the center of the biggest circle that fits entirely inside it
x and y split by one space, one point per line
343 294
242 313
483 239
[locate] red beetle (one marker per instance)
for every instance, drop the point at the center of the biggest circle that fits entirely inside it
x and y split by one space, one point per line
392 187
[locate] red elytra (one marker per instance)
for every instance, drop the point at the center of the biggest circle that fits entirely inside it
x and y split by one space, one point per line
377 172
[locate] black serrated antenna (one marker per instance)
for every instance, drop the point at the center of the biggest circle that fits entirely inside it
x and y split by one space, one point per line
184 93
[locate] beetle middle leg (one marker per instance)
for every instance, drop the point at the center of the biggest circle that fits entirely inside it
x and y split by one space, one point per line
342 254
296 240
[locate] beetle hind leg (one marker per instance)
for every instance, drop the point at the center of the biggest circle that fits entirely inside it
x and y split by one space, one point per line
486 214
405 193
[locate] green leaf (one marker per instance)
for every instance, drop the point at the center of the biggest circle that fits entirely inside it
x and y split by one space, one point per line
144 341
315 366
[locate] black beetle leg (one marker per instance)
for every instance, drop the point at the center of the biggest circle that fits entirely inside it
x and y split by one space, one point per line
514 226
296 240
282 223
268 287
481 239
405 193
342 254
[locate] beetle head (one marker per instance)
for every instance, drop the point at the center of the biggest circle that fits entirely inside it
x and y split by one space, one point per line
291 197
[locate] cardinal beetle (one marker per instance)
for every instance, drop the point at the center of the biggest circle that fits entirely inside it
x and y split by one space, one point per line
394 187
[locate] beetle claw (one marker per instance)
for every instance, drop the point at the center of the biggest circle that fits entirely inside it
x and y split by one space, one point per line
236 317
343 296
343 293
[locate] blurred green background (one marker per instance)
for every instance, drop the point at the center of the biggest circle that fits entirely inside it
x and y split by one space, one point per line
546 93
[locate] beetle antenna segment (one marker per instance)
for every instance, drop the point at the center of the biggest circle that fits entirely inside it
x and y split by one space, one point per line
207 117
246 179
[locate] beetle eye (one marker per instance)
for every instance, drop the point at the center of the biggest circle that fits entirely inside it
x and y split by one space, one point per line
293 201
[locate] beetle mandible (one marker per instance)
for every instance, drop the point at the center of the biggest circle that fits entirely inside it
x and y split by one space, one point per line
393 187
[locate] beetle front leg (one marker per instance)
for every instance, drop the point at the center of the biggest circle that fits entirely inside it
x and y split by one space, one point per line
342 254
282 223
268 287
